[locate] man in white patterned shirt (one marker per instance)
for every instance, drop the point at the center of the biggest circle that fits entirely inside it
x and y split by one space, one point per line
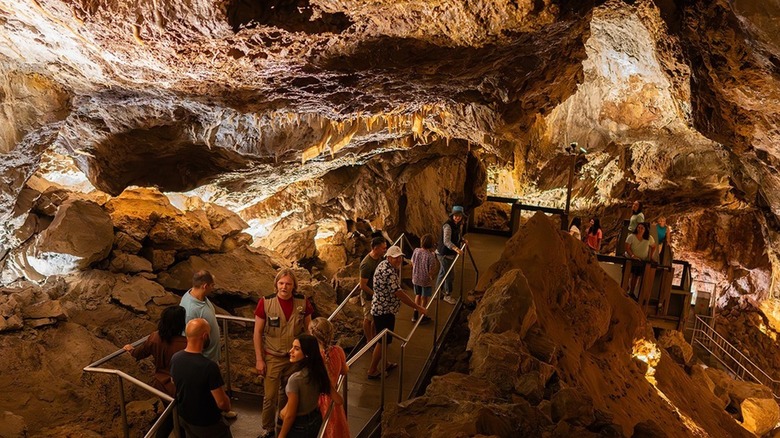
388 297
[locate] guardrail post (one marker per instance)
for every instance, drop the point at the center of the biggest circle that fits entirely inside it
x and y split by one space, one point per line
462 268
122 408
227 357
401 374
384 371
436 318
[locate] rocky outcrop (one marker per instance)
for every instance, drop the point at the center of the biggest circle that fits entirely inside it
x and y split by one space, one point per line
755 403
558 340
147 214
243 272
80 235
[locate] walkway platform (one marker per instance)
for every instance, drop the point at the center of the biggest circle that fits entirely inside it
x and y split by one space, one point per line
363 394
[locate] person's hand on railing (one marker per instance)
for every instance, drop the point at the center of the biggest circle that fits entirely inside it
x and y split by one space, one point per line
260 367
128 348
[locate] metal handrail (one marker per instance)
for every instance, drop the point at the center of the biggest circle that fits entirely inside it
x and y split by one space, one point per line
702 328
121 377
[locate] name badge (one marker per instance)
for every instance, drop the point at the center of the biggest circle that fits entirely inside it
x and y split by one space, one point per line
274 321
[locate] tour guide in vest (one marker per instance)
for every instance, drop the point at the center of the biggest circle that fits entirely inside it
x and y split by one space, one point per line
279 318
449 246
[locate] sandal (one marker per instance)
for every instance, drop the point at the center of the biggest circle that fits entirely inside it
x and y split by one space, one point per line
391 366
376 376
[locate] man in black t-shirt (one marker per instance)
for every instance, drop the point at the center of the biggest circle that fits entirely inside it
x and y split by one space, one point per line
200 397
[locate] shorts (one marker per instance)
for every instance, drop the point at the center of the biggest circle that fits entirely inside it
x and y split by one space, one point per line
366 304
425 291
637 268
386 321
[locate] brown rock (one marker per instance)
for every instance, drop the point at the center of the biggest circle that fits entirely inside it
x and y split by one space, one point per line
292 239
80 235
244 271
674 343
507 305
123 242
223 221
136 292
495 357
12 426
46 309
147 213
572 406
129 264
159 258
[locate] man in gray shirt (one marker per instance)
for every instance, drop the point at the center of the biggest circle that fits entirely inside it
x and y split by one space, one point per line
197 305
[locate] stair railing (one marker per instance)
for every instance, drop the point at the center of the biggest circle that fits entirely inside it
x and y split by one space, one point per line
739 365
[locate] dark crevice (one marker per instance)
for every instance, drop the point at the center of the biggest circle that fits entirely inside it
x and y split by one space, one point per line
290 15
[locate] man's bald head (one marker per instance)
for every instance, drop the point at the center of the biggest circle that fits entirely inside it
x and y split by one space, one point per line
196 328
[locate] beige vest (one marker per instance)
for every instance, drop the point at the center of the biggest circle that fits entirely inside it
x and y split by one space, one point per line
279 333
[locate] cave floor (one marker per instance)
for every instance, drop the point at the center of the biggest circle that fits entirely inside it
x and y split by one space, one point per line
364 394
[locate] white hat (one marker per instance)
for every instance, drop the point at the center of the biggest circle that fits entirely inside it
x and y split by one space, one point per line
394 251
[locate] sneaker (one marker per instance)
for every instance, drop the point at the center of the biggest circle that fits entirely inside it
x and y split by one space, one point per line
449 300
414 316
425 320
229 414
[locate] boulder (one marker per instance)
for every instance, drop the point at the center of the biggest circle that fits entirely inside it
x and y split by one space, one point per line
674 343
759 415
243 272
496 357
123 242
12 425
160 258
136 292
457 405
145 213
572 406
755 402
45 309
80 235
507 305
223 221
129 263
292 238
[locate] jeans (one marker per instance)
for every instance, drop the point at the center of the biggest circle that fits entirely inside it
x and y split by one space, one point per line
306 426
445 262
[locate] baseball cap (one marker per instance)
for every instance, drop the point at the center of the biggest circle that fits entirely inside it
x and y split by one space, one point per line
394 251
457 209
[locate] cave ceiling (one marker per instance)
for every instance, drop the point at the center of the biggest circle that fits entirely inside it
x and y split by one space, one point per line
676 101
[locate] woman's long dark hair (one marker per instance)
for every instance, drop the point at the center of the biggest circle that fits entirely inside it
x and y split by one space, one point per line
594 229
171 323
646 234
576 222
639 210
312 361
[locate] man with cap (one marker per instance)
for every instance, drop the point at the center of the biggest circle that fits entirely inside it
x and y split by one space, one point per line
449 246
388 297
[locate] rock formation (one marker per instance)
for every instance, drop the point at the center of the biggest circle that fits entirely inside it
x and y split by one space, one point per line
557 348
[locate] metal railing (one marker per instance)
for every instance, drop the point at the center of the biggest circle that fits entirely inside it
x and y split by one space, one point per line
739 365
382 337
121 377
